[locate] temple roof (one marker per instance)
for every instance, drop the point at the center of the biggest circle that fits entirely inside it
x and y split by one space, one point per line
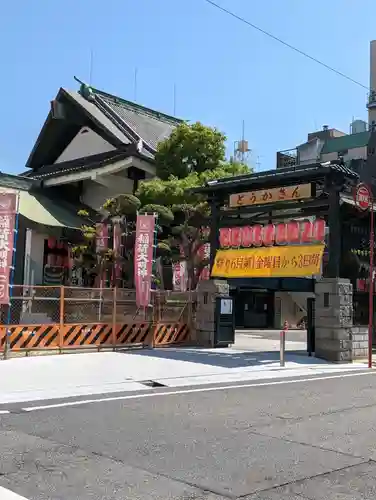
118 121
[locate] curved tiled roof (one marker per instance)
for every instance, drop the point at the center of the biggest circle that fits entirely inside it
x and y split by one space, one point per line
151 126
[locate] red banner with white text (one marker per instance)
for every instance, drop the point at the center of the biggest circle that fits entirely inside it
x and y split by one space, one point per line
143 258
117 251
101 242
204 253
8 208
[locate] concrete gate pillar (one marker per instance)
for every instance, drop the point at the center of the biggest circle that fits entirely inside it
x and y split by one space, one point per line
207 292
334 319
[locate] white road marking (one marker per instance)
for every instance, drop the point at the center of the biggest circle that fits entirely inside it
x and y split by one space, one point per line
4 412
191 391
9 495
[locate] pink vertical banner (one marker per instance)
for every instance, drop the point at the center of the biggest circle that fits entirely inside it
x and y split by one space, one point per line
101 243
117 251
204 252
176 277
183 272
8 208
143 258
101 240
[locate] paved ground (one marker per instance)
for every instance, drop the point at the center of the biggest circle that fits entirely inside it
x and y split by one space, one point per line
75 375
221 424
291 336
282 439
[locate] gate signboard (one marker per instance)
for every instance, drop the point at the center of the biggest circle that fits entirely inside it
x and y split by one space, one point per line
269 262
272 195
286 249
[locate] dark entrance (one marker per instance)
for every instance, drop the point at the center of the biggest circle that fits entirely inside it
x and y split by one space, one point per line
254 308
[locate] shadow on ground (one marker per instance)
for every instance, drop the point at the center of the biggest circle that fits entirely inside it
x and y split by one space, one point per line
226 357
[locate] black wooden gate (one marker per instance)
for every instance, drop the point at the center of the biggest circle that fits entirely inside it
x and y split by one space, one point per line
310 326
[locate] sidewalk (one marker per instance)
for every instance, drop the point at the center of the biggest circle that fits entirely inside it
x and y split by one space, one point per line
73 375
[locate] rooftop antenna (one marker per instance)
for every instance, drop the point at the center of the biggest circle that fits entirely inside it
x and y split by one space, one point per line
91 67
241 149
258 163
135 84
174 99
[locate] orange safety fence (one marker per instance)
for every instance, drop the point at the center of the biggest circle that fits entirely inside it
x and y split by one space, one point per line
53 336
59 317
171 333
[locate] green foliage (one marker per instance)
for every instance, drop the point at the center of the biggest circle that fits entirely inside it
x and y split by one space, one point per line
189 212
123 205
190 148
165 215
83 213
175 191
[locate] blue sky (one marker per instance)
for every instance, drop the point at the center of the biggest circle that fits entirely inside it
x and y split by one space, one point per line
224 71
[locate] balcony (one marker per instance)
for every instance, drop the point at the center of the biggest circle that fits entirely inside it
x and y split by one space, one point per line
371 103
287 158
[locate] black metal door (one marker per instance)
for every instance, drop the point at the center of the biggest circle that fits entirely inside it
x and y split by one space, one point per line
224 322
310 326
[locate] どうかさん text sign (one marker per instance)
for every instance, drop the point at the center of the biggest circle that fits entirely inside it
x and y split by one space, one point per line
272 195
268 262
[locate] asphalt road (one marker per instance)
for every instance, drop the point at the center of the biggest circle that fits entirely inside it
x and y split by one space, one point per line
312 439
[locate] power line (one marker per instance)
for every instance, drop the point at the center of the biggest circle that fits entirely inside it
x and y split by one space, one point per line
279 40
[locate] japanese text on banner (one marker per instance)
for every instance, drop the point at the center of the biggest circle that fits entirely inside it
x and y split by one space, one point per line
274 262
8 206
143 264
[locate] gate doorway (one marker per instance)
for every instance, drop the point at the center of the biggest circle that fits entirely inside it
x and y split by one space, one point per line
254 309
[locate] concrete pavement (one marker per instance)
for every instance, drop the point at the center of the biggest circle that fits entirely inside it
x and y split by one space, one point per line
286 439
77 375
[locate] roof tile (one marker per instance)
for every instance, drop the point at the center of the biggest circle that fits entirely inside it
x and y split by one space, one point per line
148 124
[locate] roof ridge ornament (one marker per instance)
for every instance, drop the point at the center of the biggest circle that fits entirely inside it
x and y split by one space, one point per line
85 90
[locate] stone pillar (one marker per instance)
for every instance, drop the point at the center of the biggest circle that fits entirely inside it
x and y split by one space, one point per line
334 319
207 292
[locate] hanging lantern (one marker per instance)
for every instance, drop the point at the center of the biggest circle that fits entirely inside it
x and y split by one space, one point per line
51 242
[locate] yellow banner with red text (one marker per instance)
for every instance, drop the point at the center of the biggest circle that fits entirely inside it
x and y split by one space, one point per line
269 262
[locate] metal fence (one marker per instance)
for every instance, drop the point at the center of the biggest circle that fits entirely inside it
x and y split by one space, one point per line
59 317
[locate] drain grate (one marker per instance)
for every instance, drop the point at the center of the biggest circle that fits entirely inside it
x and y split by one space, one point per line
152 383
18 411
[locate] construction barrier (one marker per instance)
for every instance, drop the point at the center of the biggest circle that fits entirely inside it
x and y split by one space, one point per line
107 318
39 337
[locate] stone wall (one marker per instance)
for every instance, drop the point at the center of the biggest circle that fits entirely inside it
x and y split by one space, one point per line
334 319
337 339
207 292
359 342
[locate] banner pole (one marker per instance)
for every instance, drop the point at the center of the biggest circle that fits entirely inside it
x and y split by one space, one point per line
11 279
155 301
371 283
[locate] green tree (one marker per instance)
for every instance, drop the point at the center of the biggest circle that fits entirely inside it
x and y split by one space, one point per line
190 148
181 237
189 158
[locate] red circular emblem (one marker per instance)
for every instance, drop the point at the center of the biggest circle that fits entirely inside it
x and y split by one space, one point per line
362 196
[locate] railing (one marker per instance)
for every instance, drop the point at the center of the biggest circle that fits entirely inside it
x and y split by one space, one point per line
287 158
66 318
